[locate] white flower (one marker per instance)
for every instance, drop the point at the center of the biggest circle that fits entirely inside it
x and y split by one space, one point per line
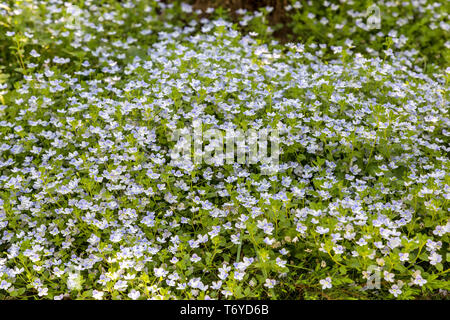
395 290
97 294
34 53
4 285
42 292
435 258
404 257
186 7
134 294
270 283
326 283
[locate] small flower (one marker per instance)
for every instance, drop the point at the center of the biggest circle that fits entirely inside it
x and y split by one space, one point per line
34 54
42 292
403 256
216 285
270 283
121 285
195 258
418 280
395 290
4 285
435 258
326 283
322 230
134 294
97 294
160 272
388 276
227 293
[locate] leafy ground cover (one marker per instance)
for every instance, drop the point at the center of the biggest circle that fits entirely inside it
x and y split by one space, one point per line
93 205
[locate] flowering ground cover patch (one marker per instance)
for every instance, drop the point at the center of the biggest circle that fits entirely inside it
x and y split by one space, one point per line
95 203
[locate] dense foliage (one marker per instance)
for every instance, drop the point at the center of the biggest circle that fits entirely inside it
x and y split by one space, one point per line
92 205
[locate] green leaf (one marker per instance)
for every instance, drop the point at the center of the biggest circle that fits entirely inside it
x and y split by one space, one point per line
343 270
353 263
